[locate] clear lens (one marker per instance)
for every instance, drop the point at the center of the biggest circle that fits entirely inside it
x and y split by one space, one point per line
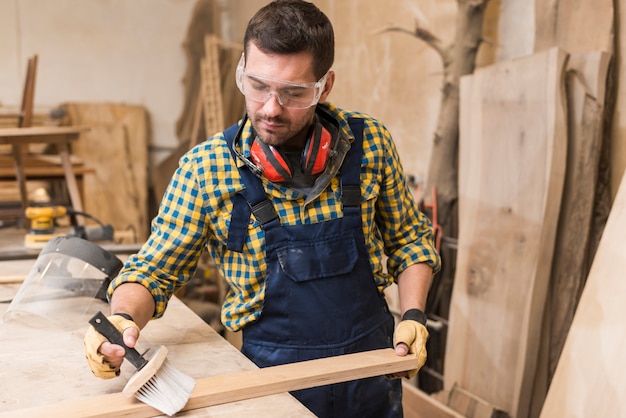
288 94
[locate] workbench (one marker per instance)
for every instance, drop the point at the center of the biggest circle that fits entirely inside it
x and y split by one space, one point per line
61 137
42 366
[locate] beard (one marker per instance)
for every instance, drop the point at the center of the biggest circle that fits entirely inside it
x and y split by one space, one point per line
284 132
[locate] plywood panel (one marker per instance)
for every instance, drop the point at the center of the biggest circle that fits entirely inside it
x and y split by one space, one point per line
116 146
511 171
590 379
574 25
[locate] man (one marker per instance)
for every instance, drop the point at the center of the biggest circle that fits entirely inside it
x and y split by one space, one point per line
297 204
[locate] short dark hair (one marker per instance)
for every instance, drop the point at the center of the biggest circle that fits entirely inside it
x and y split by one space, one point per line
291 26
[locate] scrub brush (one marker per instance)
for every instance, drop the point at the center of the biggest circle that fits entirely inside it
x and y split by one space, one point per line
156 382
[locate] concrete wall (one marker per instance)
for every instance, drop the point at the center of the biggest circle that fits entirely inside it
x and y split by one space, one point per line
98 51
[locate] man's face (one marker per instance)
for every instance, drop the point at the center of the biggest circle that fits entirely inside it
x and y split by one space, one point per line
274 123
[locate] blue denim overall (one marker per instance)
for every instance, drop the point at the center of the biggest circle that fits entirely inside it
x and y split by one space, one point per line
320 297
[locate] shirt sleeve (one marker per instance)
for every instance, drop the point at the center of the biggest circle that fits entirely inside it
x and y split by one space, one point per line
170 256
406 231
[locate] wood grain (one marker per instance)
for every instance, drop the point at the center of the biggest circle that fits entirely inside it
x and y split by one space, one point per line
418 404
37 375
238 386
511 171
574 25
116 146
586 96
589 380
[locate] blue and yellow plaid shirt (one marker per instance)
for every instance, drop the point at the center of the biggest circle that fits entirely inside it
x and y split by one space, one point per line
196 209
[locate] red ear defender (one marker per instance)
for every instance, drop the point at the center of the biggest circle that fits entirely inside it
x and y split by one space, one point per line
316 151
275 166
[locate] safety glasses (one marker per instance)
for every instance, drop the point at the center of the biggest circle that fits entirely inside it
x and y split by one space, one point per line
288 94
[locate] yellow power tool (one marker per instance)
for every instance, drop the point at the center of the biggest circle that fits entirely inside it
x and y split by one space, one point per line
42 224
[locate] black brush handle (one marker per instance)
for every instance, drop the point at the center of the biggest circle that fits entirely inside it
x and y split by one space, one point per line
108 330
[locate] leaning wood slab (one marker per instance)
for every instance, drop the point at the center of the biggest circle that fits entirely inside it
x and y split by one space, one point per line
238 386
589 380
512 156
419 404
586 82
575 26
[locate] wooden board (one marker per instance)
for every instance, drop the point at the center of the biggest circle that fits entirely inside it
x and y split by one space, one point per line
35 374
471 406
116 146
574 25
238 386
590 379
586 83
418 404
204 21
586 30
511 171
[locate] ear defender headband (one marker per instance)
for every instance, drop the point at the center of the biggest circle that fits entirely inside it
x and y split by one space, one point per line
275 166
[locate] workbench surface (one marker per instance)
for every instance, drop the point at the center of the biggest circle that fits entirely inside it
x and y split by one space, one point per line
41 366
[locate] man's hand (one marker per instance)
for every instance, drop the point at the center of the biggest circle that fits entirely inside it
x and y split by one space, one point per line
410 338
104 358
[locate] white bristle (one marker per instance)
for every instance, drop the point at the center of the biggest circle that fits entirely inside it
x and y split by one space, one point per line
168 390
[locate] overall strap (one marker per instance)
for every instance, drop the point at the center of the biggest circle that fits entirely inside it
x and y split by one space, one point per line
351 168
253 199
250 200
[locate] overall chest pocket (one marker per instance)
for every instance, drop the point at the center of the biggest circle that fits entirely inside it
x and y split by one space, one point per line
315 260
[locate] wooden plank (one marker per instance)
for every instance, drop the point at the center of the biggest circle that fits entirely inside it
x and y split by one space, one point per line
70 180
30 375
221 389
471 406
589 380
12 279
117 148
586 83
586 30
205 20
43 172
110 193
28 96
583 208
40 134
574 25
511 171
212 103
39 160
418 404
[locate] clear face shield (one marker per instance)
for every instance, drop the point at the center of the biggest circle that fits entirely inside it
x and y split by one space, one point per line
66 286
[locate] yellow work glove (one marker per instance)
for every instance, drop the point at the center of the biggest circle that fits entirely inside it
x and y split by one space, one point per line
93 341
411 330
